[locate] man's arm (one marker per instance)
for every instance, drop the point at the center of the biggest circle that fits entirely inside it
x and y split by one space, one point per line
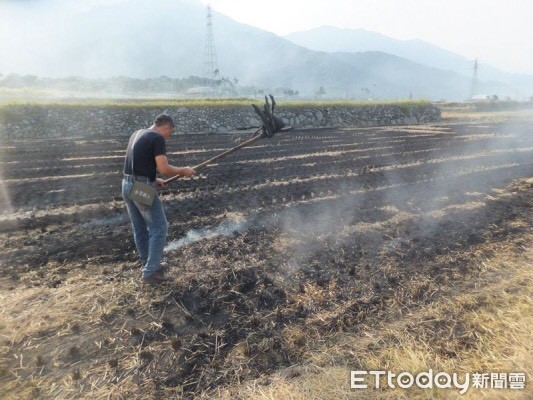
166 169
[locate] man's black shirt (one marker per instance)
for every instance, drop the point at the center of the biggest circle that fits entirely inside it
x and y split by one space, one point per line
148 146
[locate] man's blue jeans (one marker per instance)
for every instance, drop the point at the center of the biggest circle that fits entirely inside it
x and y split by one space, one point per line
150 228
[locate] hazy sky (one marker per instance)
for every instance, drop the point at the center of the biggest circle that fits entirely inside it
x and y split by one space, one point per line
499 32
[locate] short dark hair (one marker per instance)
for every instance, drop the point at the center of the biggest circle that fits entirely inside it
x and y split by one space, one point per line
163 119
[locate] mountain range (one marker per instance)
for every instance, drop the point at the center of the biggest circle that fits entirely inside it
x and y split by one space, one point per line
167 37
332 39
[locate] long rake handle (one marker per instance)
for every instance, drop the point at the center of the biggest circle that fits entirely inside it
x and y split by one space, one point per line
221 155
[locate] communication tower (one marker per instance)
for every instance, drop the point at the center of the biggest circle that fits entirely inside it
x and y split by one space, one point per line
210 55
475 83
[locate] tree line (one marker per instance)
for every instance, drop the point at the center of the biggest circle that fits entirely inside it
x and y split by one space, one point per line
127 85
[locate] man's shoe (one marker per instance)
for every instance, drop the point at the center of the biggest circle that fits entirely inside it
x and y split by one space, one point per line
165 267
157 278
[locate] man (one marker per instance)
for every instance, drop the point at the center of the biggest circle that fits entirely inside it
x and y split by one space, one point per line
146 155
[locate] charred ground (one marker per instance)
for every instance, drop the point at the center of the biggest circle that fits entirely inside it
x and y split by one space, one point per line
334 229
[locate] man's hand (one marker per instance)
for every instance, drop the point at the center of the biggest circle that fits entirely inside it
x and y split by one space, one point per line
160 183
187 172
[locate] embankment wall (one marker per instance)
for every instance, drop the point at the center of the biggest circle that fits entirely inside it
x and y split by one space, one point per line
49 121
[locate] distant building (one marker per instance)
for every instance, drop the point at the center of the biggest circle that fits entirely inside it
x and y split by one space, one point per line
480 97
201 91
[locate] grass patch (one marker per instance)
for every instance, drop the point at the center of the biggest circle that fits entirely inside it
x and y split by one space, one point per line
245 102
485 329
482 324
353 103
114 103
482 113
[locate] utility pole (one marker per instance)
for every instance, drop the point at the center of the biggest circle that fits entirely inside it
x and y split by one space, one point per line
210 55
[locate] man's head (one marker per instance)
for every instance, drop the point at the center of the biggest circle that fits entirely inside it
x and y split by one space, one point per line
164 124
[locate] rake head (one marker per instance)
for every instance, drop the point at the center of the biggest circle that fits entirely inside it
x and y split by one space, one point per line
271 123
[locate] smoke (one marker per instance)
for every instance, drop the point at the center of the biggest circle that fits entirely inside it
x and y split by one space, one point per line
454 181
6 206
226 228
425 188
116 220
5 198
63 38
318 223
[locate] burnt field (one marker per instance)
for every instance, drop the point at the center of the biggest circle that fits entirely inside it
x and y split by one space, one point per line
274 249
